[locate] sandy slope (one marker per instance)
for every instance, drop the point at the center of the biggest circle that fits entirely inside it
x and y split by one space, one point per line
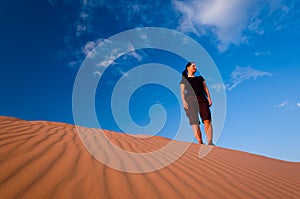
48 160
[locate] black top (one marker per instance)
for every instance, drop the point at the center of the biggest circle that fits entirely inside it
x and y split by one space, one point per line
195 83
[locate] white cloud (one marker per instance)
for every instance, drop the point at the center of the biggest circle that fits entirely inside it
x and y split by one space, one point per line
98 73
288 105
241 74
227 20
80 29
125 74
116 53
282 104
89 46
218 87
74 64
133 53
110 59
263 53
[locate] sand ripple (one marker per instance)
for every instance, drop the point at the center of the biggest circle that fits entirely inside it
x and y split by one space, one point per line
48 160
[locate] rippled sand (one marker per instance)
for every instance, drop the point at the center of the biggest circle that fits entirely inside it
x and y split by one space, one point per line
48 160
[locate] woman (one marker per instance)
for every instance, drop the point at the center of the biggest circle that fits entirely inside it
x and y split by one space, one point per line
196 99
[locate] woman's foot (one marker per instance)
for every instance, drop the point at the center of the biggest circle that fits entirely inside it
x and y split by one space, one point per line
211 144
200 142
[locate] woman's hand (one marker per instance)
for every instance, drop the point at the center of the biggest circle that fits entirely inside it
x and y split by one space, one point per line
207 93
185 104
209 102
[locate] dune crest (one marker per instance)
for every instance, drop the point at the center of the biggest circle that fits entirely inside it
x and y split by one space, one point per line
41 159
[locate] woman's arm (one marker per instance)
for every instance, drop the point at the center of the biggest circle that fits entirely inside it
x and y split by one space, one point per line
182 89
207 93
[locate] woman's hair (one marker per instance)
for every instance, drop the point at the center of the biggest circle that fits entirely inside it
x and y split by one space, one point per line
184 73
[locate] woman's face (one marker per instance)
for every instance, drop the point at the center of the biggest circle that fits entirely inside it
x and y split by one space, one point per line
192 68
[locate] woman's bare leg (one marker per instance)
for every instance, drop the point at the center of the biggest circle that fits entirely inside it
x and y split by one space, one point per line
208 131
197 133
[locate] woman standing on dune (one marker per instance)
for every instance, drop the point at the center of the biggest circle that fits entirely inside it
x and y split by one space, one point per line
196 99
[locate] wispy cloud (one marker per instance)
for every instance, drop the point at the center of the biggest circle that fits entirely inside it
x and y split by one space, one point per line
229 21
218 87
98 73
225 22
98 19
133 53
116 56
262 53
90 45
288 104
241 74
116 53
126 14
110 59
282 104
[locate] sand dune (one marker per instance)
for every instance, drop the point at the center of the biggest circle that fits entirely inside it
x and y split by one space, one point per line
48 160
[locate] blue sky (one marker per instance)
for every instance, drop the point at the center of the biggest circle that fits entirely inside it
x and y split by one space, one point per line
254 44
